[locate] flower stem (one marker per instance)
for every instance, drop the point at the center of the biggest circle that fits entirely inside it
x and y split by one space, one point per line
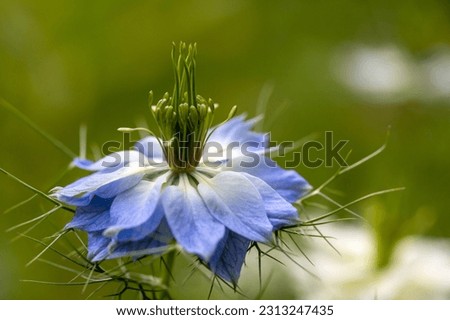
169 262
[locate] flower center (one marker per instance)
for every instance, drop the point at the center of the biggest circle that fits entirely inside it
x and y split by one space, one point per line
184 119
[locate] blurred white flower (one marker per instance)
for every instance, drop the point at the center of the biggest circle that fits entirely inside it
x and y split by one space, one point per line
383 74
436 70
388 74
419 268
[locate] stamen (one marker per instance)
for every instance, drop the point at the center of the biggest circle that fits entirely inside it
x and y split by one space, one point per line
185 118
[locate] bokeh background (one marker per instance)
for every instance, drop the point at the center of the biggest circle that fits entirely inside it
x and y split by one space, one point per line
356 68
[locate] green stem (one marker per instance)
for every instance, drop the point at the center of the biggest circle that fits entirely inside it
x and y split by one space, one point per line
169 263
58 144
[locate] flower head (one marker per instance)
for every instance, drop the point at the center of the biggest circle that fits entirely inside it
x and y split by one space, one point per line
170 189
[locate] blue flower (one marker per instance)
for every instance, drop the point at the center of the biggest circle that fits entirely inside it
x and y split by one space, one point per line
138 205
211 191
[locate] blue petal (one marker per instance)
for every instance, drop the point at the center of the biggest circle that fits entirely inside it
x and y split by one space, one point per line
97 245
93 217
86 164
151 148
103 184
234 201
238 130
108 190
233 139
229 257
136 249
140 231
190 221
114 160
155 243
288 183
114 188
136 208
280 212
83 200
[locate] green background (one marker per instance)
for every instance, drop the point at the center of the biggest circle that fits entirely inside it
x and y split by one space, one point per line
66 63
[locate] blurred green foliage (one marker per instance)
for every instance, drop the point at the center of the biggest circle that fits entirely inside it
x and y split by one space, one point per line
65 63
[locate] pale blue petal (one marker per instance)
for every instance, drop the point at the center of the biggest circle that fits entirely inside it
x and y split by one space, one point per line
155 243
96 180
103 184
86 164
190 221
140 231
280 212
233 139
136 249
83 200
118 186
114 160
238 129
94 217
108 190
288 183
136 206
234 201
229 257
97 245
151 148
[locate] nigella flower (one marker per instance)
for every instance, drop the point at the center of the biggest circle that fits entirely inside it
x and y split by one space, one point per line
211 190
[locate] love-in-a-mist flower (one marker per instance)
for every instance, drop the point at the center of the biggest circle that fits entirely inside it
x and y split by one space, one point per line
211 190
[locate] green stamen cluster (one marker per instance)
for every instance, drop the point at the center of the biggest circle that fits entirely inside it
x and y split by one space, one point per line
184 119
